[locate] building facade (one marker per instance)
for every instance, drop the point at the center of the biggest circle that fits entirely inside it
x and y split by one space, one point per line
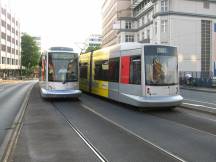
94 40
10 43
112 10
188 24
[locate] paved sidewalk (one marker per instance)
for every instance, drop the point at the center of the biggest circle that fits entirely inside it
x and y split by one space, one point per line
46 137
202 89
10 81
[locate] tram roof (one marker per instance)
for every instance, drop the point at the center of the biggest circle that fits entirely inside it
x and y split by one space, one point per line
61 49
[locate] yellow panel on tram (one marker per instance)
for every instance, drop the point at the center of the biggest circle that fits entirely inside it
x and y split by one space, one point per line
84 67
99 72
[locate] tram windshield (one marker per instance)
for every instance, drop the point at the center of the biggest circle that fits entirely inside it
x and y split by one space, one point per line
62 67
161 65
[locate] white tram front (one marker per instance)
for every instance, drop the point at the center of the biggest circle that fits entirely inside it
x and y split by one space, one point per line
61 79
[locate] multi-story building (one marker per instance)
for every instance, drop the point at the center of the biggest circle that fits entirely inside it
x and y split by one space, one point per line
10 43
188 24
94 40
112 10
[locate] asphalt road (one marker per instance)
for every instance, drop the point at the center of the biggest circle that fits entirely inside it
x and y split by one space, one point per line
199 100
95 129
11 98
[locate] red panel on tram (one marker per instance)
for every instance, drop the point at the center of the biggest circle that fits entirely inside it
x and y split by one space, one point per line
125 69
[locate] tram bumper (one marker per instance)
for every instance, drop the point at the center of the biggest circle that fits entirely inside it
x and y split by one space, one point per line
154 101
60 93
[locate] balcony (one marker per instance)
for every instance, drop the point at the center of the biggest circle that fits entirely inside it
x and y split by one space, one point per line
135 3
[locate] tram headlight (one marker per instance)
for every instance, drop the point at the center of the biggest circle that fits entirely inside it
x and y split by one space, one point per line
148 91
177 90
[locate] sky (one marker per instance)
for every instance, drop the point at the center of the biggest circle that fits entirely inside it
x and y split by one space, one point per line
58 22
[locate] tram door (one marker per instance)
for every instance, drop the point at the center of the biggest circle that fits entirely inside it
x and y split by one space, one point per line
130 77
114 68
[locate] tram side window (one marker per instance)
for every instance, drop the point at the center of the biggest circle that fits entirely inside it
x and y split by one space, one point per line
101 70
114 70
84 70
135 70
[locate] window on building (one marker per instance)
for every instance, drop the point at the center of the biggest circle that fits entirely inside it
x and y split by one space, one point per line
16 62
8 27
206 4
140 22
114 70
8 15
164 5
143 20
13 30
164 26
3 11
135 70
3 23
3 35
17 42
143 35
155 27
13 51
8 38
16 32
8 61
129 38
148 34
101 70
148 17
3 60
84 70
13 40
9 49
3 47
138 37
128 25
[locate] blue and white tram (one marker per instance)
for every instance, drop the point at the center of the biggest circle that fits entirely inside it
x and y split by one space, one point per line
62 77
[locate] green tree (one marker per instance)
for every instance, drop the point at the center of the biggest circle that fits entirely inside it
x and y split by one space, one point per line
30 53
90 48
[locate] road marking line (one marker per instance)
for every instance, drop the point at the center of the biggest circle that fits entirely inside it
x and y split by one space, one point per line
213 108
139 137
200 102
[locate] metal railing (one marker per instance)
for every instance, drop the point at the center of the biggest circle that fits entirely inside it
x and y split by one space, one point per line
201 79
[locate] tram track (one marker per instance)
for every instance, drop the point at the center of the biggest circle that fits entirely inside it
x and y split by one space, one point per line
167 153
160 130
188 120
100 156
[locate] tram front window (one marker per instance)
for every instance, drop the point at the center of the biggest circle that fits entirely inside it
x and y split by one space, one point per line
161 65
62 67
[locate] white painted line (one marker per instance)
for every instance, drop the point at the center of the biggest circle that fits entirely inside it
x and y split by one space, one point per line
200 102
192 104
134 134
212 108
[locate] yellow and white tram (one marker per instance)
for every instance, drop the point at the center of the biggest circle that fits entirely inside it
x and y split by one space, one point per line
143 75
59 73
